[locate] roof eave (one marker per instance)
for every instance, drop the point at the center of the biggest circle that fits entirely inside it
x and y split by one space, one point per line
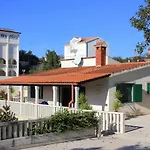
129 70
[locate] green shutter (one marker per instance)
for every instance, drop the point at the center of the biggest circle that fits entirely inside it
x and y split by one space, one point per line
148 88
137 93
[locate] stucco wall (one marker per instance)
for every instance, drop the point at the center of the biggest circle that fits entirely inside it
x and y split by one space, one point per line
84 62
97 93
81 50
109 60
140 76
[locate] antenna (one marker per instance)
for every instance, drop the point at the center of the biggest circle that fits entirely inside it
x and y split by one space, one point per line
77 60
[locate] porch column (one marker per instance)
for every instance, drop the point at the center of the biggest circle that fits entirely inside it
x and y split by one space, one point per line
21 98
55 96
36 94
36 100
8 94
76 96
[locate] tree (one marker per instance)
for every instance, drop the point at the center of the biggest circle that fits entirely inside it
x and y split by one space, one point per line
52 60
27 61
6 115
141 21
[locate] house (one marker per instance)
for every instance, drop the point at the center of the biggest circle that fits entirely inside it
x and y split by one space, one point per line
97 75
9 53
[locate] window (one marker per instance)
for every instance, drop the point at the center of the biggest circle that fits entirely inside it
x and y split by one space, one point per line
82 90
41 92
32 92
148 88
3 35
130 92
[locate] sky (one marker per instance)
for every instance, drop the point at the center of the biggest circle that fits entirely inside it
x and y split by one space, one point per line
49 24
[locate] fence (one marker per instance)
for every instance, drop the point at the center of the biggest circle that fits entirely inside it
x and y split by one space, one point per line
110 120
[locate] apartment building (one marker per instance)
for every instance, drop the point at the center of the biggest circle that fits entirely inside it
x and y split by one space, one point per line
9 53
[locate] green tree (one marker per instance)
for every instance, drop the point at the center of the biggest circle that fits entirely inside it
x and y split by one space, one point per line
141 21
27 61
52 60
6 115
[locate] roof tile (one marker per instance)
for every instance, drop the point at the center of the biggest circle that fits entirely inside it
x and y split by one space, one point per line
72 75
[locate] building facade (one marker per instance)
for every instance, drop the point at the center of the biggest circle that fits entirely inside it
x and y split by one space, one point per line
9 53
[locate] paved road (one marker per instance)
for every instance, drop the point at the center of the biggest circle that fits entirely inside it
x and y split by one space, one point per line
137 139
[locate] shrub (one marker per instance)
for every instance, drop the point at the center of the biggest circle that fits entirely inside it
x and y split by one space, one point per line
3 94
6 115
66 121
117 103
83 104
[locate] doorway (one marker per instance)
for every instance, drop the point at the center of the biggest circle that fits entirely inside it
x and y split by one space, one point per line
66 95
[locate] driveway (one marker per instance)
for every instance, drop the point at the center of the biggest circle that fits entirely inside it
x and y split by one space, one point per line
137 139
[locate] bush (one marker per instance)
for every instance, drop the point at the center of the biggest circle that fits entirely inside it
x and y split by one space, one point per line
117 103
66 121
6 115
83 104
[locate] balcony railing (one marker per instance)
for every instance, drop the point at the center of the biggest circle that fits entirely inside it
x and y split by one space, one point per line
12 66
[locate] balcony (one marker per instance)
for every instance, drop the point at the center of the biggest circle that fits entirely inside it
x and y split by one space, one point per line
12 66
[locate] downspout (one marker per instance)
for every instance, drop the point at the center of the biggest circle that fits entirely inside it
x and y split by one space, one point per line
72 96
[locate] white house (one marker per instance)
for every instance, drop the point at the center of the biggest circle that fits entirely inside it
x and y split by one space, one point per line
9 53
97 75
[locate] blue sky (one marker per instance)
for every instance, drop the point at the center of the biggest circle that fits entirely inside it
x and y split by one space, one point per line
49 24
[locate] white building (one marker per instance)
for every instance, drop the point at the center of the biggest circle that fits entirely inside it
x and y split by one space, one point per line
83 50
90 71
9 53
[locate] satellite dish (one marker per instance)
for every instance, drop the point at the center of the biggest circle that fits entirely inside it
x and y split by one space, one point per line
77 60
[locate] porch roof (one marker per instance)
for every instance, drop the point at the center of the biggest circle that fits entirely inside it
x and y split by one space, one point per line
74 75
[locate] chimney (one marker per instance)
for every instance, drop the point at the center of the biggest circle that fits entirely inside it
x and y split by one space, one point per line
100 53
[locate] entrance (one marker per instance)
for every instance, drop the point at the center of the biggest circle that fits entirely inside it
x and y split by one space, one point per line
66 95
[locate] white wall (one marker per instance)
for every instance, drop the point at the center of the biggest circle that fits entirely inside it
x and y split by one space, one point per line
84 62
9 48
81 50
97 93
140 76
109 60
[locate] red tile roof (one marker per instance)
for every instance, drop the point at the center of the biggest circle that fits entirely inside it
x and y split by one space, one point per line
86 39
71 75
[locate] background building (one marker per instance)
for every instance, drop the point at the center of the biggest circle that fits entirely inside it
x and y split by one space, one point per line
9 53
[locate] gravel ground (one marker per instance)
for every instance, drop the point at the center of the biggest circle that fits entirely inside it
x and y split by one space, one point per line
138 139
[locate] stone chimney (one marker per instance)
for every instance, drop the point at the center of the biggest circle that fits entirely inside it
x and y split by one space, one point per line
100 53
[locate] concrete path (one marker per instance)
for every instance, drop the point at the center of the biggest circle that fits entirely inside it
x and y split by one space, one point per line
138 139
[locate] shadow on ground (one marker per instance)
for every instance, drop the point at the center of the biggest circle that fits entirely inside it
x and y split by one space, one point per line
129 128
92 148
4 148
133 147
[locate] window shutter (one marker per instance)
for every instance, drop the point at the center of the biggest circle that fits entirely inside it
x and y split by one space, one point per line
148 88
137 93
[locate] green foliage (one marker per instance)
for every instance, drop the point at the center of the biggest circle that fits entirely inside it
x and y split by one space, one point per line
66 121
118 95
2 94
117 103
141 21
29 60
6 115
52 60
83 104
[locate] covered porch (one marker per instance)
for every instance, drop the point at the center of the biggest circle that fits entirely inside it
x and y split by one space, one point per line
42 100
